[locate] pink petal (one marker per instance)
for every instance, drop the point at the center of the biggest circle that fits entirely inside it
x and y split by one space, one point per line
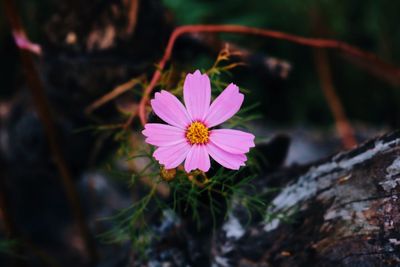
197 95
163 135
224 106
232 141
24 43
170 109
197 158
172 156
226 159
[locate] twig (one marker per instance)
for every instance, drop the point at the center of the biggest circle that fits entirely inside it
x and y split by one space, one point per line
313 42
120 89
133 9
43 109
343 125
277 67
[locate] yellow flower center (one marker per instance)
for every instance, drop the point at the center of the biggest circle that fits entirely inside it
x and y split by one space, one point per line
197 133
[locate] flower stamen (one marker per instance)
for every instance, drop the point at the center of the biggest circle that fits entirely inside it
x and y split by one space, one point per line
197 133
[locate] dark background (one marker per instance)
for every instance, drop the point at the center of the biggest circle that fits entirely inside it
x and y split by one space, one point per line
371 25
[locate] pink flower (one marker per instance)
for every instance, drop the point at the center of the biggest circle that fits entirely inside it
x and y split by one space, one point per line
188 134
22 42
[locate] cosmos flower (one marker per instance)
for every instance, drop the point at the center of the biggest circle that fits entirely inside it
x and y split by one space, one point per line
189 135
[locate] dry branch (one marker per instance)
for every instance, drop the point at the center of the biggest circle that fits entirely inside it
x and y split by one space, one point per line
312 42
343 126
117 91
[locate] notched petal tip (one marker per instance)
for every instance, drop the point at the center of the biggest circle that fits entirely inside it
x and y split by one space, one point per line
232 86
196 72
152 102
188 168
252 138
197 158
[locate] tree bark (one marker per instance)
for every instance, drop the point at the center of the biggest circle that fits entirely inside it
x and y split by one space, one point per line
343 211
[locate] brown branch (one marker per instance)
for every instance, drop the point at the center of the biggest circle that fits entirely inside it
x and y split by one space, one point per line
313 42
343 125
133 9
44 112
120 89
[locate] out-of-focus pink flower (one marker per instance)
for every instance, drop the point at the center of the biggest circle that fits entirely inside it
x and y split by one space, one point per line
188 135
22 42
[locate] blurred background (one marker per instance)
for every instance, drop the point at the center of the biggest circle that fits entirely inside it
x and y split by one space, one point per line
90 47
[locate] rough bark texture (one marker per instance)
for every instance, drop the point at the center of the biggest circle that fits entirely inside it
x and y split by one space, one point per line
342 211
